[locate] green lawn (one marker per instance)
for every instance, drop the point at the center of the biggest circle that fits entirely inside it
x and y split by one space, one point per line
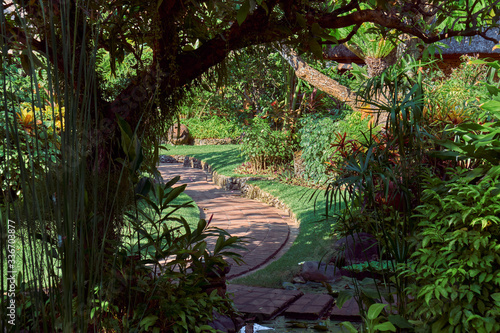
313 241
222 158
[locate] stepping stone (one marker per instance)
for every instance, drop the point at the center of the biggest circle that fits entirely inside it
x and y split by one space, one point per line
262 303
349 311
310 306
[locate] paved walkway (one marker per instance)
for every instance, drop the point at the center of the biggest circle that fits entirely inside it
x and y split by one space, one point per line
270 233
267 228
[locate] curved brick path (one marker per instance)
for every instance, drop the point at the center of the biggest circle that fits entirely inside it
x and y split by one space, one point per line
271 233
268 229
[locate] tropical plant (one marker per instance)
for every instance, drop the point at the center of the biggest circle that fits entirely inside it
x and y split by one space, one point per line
374 47
477 141
164 276
456 264
396 189
454 99
458 218
198 39
374 322
375 183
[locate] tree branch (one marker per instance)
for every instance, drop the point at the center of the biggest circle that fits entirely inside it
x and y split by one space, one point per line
319 80
381 18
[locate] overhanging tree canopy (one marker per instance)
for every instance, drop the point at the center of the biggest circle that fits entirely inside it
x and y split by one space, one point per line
189 38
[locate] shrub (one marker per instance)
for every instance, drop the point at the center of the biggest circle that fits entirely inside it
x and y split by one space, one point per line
457 267
317 135
263 147
19 84
213 127
457 264
37 145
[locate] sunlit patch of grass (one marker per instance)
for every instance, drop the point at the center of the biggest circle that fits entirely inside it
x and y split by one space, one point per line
222 158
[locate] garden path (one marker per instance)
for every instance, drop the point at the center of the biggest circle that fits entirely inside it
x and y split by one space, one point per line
268 229
270 233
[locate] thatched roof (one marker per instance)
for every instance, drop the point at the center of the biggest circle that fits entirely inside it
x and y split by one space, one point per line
474 44
468 45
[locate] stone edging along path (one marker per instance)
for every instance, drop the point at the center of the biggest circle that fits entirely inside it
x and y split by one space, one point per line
232 183
268 230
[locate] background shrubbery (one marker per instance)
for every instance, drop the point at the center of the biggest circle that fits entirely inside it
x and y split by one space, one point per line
212 127
457 263
317 134
264 147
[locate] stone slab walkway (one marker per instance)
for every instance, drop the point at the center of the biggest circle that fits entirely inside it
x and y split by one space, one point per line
310 306
262 303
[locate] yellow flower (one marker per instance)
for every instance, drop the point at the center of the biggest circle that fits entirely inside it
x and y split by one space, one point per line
25 118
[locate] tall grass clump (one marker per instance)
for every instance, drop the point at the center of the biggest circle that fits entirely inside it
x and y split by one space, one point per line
53 202
76 255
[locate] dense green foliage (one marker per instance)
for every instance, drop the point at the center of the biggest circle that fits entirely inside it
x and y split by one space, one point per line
262 146
251 85
213 127
456 265
317 135
114 77
13 76
132 294
428 189
191 298
80 170
457 262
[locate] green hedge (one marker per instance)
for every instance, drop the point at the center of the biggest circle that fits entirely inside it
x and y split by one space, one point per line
317 135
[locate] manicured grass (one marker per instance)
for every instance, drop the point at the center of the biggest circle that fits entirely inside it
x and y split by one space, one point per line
222 158
313 242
